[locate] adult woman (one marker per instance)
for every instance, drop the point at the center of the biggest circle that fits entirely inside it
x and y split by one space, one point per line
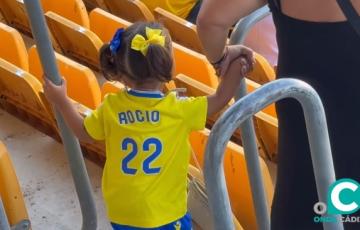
316 45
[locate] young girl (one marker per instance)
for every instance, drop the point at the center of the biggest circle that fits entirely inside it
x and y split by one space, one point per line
146 132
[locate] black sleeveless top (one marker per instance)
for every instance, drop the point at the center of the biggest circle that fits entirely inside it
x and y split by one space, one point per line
327 56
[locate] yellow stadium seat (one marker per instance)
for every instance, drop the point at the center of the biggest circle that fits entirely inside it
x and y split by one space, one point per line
74 40
82 85
130 10
21 95
195 65
12 47
266 124
15 13
237 179
182 31
10 191
99 18
110 87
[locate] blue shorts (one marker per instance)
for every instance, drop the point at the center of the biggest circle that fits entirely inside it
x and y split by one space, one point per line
183 223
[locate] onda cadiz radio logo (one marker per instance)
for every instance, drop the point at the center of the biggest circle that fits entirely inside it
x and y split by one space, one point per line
343 198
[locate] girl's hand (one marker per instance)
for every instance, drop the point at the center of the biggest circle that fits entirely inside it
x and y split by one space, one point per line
54 93
233 52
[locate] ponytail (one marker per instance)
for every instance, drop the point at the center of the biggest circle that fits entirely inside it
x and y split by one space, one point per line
160 62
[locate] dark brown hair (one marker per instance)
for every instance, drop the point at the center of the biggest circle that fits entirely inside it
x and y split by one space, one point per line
157 64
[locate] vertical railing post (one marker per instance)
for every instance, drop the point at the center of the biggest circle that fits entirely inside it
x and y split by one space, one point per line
248 132
4 223
71 144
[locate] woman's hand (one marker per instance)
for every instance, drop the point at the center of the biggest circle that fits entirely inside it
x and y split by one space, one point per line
231 53
56 94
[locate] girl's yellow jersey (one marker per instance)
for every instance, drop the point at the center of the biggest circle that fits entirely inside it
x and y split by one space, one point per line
180 8
147 154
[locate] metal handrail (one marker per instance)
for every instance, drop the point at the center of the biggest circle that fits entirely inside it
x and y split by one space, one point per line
4 222
71 144
245 108
247 127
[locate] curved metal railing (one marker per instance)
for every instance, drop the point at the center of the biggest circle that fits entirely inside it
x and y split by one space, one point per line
241 111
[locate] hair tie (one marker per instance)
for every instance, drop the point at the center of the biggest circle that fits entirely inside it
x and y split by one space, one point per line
116 41
154 36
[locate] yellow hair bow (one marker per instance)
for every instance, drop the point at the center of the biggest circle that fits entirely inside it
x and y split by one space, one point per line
139 43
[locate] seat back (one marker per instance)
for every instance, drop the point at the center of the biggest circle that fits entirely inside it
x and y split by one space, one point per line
99 18
74 10
15 15
10 191
110 87
182 31
130 10
75 41
82 84
237 179
194 65
266 128
12 47
263 72
22 90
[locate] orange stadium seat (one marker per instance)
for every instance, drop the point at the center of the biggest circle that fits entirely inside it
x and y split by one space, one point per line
266 127
12 47
74 40
77 77
131 10
15 15
263 72
99 18
237 179
182 31
10 191
22 91
195 65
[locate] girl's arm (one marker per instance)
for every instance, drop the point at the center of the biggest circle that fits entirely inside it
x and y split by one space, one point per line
228 85
57 95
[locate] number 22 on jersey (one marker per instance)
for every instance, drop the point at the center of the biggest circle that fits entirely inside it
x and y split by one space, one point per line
129 146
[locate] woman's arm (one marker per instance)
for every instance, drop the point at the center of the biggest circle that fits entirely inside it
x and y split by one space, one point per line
57 95
216 17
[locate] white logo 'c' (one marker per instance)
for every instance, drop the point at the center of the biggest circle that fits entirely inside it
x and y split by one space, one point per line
335 196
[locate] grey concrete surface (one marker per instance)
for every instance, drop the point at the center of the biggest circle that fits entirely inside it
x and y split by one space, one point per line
45 179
